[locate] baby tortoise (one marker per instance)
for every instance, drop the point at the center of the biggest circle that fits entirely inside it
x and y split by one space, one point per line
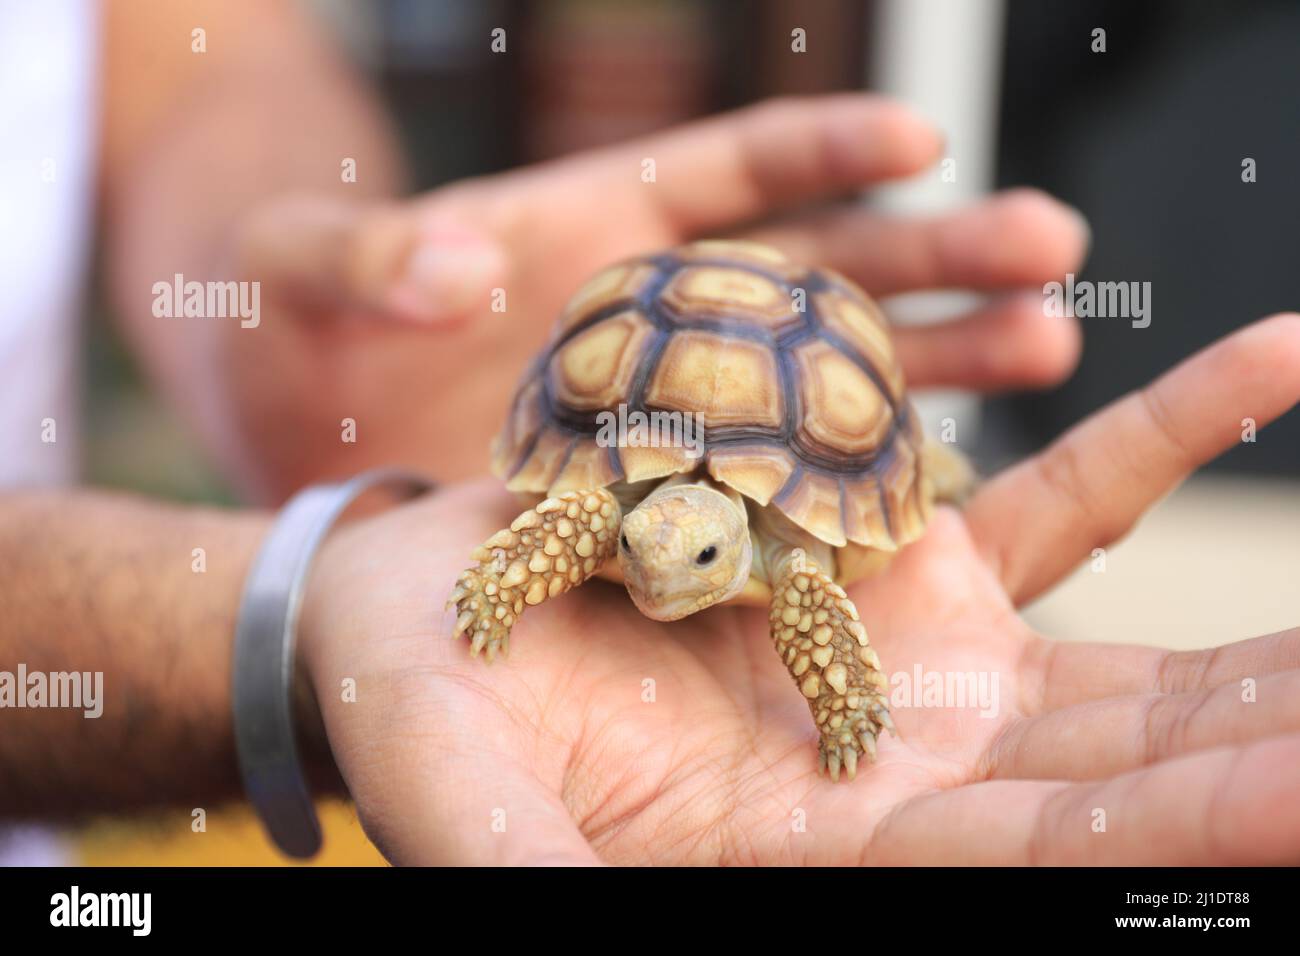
810 474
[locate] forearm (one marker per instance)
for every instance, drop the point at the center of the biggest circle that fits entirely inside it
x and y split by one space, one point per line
146 596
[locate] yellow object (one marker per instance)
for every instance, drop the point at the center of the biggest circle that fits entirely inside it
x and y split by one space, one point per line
231 837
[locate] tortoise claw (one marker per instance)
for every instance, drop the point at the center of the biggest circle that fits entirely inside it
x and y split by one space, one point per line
546 551
820 638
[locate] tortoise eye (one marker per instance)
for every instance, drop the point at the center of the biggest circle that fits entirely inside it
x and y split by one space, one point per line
707 555
622 539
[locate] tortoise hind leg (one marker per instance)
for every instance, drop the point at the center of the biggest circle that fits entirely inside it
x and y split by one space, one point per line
546 551
950 473
816 630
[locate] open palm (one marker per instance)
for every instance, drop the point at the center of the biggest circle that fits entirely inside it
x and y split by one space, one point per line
609 736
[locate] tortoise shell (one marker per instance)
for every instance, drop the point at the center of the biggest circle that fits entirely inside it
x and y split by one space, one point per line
792 369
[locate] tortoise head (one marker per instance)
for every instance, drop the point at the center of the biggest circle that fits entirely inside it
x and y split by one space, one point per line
684 548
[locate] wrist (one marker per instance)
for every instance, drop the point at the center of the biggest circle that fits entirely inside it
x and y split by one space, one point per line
278 728
328 576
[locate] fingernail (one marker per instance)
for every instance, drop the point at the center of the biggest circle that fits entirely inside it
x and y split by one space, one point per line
927 126
448 278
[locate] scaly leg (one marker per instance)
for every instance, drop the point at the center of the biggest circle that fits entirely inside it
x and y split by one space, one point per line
546 551
948 472
821 640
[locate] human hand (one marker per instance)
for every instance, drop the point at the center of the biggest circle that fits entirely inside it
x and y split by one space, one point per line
382 313
556 756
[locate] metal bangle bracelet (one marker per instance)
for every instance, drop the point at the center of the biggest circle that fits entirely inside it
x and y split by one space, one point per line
265 635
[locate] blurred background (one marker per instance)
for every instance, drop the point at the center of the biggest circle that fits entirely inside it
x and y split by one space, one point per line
1147 138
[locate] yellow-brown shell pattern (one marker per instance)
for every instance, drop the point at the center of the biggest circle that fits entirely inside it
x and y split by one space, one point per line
792 370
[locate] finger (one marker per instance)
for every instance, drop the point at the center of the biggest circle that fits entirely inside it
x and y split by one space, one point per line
1106 737
1230 806
1062 674
1007 343
743 165
1021 237
1038 520
397 261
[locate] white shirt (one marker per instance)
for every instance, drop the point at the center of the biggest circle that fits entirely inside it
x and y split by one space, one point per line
49 65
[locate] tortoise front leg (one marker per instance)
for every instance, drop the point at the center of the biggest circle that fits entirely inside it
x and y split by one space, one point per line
546 551
821 640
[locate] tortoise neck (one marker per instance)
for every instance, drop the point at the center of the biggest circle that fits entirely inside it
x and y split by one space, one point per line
775 539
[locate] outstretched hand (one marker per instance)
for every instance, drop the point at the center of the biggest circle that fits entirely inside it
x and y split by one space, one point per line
384 314
608 736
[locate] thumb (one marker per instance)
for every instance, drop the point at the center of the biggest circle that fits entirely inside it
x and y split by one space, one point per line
394 261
